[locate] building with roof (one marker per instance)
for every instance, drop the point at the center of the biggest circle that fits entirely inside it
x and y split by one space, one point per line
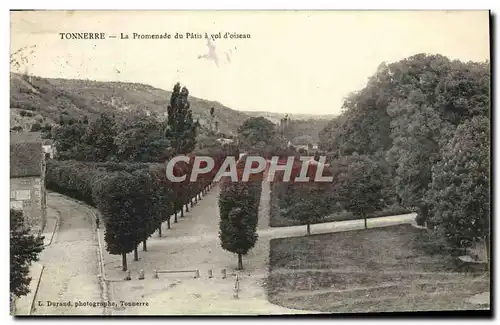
27 178
48 148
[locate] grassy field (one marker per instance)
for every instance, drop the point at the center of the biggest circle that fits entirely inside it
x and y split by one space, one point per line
374 270
278 220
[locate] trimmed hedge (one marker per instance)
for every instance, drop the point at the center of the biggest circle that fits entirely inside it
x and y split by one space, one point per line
239 212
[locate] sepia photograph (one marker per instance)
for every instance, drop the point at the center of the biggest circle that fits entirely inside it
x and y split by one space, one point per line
236 163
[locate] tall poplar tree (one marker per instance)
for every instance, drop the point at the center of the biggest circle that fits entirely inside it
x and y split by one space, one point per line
181 129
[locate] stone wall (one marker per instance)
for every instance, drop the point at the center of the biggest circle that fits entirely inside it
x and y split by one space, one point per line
28 194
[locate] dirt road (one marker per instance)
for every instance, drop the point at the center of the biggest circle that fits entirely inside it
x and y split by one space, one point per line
71 267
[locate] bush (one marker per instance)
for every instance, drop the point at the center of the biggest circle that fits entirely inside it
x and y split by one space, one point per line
25 113
133 199
459 195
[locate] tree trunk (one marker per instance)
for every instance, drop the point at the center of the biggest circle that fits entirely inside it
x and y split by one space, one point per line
136 254
192 204
124 262
144 246
366 224
308 229
195 199
159 231
175 217
187 207
182 211
240 262
487 246
168 222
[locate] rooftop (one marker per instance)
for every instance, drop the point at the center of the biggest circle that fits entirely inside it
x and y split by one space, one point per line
26 154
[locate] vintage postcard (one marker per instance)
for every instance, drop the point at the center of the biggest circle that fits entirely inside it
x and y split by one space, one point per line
249 162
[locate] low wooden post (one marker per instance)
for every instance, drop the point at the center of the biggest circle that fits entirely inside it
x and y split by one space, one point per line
197 274
155 274
224 275
128 276
210 275
236 287
141 275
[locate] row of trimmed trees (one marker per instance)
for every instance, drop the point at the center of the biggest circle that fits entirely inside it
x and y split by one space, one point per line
134 200
130 135
134 196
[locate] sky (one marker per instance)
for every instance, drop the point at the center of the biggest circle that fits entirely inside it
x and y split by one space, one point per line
293 62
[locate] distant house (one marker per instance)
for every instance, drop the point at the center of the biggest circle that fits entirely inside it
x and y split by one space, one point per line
27 178
225 141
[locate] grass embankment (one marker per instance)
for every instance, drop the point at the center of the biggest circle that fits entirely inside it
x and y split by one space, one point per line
374 270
